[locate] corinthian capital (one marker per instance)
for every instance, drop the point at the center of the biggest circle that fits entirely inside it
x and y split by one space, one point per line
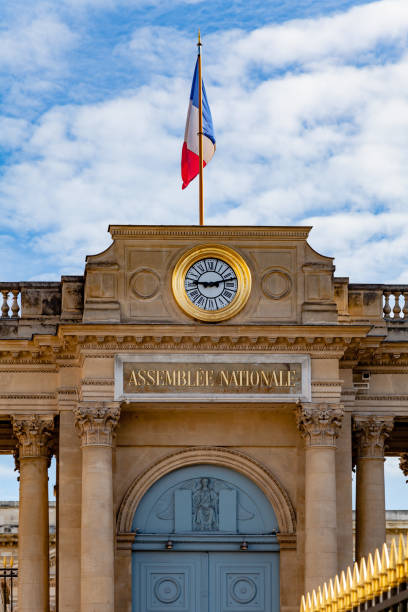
319 424
96 422
34 433
371 433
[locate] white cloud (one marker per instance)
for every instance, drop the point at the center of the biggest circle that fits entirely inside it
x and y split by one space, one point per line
37 44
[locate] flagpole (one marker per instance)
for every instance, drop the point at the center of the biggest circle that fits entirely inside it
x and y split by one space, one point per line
200 134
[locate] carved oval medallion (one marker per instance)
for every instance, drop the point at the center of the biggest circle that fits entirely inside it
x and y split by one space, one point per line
243 590
276 284
167 590
145 283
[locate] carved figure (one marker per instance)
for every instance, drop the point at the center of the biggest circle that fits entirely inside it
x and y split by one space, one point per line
205 507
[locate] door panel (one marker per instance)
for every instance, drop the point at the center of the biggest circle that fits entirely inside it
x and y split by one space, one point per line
242 582
205 582
170 581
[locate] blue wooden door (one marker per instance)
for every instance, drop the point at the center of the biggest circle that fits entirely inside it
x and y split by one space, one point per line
206 582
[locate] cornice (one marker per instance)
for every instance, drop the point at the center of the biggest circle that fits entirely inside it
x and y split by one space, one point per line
141 232
29 396
385 397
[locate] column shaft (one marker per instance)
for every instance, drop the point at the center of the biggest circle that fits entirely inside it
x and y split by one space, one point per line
370 506
320 516
33 453
33 555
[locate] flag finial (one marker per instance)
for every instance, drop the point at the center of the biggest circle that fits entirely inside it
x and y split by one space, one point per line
199 38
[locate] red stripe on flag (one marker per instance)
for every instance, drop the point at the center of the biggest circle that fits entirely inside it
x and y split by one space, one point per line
190 165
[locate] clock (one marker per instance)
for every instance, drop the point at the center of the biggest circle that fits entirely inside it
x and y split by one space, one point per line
211 283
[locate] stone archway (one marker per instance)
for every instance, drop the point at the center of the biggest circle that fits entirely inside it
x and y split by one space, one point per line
236 460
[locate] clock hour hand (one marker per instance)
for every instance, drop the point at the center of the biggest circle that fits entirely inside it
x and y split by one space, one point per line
207 283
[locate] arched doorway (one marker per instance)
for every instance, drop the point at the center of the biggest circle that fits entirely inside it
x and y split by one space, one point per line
206 542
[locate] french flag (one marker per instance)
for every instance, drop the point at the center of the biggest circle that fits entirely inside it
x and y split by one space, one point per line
190 163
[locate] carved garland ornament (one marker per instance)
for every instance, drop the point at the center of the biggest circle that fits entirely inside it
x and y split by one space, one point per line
34 434
371 433
96 422
319 424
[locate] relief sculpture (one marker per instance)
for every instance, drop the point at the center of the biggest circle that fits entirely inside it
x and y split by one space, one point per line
205 506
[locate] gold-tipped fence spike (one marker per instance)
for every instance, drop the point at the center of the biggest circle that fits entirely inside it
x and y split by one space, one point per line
303 605
309 603
392 570
339 594
320 599
370 577
362 570
354 587
326 597
385 563
11 561
345 579
333 597
377 573
4 561
400 558
315 606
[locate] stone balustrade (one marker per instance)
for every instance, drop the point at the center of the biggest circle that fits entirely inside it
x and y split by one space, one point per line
371 303
395 303
10 307
39 300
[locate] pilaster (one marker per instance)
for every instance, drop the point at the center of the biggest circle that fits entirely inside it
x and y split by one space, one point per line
96 423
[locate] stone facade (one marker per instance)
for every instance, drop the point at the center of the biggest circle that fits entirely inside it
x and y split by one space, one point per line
106 371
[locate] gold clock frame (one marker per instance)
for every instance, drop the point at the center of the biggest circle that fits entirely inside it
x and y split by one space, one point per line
232 258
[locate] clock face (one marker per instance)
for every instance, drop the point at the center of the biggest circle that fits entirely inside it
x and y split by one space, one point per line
211 283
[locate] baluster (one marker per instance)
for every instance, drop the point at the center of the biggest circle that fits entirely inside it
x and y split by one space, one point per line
15 306
405 308
5 306
387 307
397 308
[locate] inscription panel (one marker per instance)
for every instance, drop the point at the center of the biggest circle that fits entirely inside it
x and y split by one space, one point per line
213 377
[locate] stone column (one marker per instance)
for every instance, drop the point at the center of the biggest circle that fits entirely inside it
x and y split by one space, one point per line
370 435
319 424
34 433
96 423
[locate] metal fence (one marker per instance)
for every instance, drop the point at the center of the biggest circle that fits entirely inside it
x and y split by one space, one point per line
374 584
8 583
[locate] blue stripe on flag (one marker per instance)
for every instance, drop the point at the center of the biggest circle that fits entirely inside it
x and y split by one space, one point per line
208 127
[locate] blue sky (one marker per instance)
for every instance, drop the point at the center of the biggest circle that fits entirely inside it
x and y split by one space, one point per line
310 109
